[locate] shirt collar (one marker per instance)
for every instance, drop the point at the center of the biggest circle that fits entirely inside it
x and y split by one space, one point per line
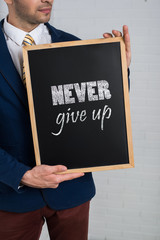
17 35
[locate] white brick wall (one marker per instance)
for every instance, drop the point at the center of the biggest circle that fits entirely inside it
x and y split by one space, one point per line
127 204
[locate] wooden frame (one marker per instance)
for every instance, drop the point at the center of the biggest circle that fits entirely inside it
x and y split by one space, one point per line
27 49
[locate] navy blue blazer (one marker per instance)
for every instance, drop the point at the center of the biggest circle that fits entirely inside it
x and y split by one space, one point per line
16 146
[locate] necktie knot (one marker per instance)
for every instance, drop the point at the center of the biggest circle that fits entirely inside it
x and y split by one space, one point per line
28 40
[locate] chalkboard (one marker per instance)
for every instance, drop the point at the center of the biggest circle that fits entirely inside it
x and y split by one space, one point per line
79 104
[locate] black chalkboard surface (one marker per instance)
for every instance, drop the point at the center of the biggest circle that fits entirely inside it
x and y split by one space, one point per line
79 104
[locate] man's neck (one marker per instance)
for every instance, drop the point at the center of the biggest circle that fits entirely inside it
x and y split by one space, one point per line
26 27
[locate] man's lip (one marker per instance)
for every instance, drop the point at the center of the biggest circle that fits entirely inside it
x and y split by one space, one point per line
45 10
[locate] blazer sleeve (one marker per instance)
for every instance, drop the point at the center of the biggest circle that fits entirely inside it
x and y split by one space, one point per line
11 170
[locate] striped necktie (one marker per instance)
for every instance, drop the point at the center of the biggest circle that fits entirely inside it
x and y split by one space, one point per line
27 41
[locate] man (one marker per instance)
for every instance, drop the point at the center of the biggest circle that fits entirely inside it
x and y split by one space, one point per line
28 193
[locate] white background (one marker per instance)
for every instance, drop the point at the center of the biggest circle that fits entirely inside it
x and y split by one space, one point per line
127 204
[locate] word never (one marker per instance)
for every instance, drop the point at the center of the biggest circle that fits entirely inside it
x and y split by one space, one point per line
63 94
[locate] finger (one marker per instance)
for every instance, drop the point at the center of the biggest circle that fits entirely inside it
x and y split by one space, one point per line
68 176
107 35
58 168
117 33
126 38
125 29
127 42
47 170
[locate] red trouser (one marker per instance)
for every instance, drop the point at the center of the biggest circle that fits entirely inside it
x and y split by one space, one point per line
69 224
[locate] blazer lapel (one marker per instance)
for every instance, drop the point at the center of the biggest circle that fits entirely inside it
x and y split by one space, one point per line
9 72
54 33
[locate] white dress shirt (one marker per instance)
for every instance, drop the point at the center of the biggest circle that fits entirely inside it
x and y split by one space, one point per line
14 38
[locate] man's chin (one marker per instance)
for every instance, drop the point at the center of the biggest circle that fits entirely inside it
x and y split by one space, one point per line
45 19
42 20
